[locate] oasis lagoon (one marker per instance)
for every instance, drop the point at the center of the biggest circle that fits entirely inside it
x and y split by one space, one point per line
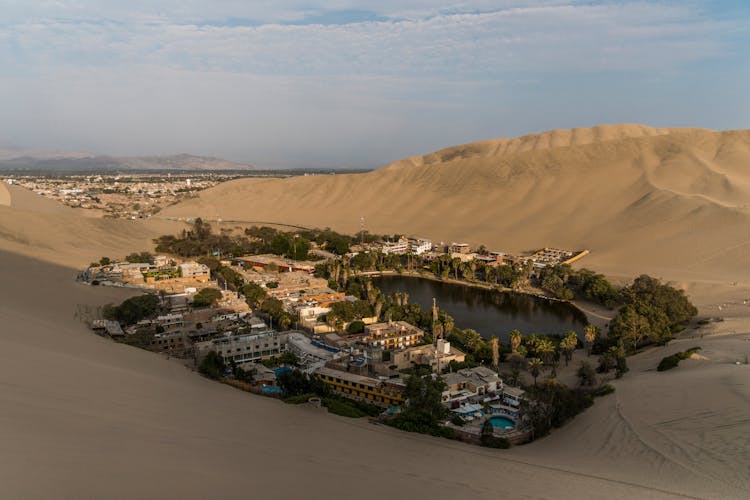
489 312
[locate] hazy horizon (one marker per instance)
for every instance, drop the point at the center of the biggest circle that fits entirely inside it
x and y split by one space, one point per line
358 84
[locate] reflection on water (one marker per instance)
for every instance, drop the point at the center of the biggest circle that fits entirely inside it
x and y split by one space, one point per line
486 311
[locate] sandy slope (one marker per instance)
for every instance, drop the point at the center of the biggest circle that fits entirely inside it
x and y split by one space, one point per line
672 202
34 225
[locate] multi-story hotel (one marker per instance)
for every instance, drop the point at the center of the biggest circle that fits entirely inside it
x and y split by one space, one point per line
246 347
378 392
392 335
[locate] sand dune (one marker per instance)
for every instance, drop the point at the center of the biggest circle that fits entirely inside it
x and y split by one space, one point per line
82 417
33 225
665 201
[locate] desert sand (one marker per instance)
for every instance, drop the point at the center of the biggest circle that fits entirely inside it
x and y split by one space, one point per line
669 202
83 417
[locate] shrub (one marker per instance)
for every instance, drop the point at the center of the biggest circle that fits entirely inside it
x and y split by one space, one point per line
301 399
212 366
343 408
356 327
669 362
603 390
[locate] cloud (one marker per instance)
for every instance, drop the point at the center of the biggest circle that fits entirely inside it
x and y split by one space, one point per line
547 38
337 82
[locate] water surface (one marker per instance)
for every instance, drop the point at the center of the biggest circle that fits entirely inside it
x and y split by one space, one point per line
487 311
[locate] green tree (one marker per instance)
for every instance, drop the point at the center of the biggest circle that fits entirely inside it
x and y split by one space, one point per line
132 310
630 326
586 374
254 294
140 258
424 409
212 366
211 262
590 334
545 349
515 341
568 345
206 297
535 368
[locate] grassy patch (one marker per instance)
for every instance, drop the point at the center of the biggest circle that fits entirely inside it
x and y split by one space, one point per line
301 399
350 408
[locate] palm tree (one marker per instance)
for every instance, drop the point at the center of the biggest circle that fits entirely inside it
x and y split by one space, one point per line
568 345
379 302
546 349
456 264
590 333
448 325
515 341
285 321
535 368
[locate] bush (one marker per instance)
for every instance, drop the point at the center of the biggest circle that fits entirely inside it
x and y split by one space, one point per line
140 258
301 399
212 366
458 420
603 390
343 408
669 362
356 327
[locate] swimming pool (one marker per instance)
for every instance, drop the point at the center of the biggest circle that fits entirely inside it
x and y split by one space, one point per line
502 423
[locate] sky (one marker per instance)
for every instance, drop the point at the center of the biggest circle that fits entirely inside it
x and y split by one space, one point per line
344 83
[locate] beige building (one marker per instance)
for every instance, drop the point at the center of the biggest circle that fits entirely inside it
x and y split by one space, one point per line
436 357
195 271
471 382
392 335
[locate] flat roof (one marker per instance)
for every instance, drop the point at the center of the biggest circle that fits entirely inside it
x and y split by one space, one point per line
351 377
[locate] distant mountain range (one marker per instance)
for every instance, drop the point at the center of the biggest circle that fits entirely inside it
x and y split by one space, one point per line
32 160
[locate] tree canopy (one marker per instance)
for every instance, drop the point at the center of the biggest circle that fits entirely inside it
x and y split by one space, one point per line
132 310
653 311
206 297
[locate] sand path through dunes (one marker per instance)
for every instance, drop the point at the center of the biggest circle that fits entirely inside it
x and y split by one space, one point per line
84 417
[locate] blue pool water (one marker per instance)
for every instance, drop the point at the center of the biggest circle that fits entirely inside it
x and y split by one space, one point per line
502 422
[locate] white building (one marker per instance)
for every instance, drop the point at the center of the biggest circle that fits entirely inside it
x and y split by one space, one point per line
399 247
419 246
246 347
309 351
